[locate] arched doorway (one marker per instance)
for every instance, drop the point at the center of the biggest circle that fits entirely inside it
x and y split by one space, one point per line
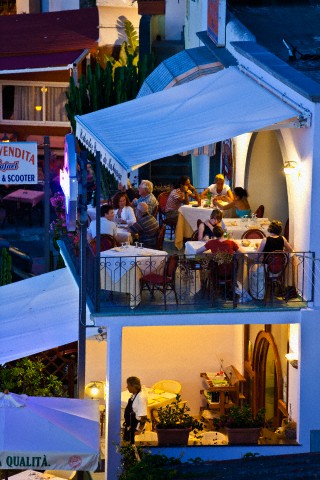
265 178
268 380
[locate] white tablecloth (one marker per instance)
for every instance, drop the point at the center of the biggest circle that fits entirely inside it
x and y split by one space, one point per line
244 265
122 267
187 223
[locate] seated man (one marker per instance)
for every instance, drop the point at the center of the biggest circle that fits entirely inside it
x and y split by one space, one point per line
146 196
180 196
146 226
107 224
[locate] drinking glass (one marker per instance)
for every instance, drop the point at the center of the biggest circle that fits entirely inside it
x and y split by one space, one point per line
141 245
127 244
136 244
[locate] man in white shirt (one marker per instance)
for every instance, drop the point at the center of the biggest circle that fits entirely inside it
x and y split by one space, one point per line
107 224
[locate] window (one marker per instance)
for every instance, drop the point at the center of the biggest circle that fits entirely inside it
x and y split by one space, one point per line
34 103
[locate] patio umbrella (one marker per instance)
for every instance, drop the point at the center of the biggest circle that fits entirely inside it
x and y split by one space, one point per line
43 433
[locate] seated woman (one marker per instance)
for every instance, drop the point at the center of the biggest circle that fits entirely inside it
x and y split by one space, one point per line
219 244
123 213
180 196
219 189
240 202
275 241
205 229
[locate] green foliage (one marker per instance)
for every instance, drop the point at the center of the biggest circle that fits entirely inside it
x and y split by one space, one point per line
138 464
240 417
28 376
6 267
175 415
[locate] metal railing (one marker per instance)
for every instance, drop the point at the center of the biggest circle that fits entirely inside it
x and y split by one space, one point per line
139 284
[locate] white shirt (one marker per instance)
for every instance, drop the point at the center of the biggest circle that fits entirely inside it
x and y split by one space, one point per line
127 214
140 404
213 189
106 226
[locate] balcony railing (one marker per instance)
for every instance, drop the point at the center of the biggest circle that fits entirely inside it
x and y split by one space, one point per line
143 284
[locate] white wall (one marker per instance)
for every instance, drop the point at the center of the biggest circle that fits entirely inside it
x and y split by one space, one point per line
111 22
196 21
174 19
178 353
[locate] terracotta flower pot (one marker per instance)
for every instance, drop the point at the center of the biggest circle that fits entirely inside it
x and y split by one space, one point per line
243 436
173 436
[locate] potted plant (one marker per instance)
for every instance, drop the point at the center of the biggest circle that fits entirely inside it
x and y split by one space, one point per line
174 423
241 425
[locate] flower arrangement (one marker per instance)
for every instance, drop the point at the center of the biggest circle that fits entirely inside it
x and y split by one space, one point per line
175 415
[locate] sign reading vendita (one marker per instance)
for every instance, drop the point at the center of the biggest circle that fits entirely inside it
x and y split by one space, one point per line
216 28
69 181
18 163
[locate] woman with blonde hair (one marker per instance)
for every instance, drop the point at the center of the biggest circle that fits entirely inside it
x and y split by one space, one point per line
219 189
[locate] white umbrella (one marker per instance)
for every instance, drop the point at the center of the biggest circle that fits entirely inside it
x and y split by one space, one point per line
48 433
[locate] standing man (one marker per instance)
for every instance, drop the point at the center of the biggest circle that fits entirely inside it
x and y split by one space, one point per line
107 224
146 226
135 414
146 196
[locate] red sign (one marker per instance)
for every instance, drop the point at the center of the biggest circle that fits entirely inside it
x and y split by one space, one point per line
217 21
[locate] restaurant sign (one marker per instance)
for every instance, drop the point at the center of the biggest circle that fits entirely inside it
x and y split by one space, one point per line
216 28
18 163
53 461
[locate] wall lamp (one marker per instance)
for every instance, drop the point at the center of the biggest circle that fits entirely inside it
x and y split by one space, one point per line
95 389
292 358
290 167
38 108
5 138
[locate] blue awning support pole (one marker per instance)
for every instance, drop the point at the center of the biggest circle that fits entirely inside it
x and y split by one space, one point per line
46 203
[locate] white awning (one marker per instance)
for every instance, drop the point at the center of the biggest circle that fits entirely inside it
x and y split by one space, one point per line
38 314
206 110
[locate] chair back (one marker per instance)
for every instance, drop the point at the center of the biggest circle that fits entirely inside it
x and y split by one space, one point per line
162 199
172 386
253 233
260 211
276 263
160 239
106 243
194 236
286 230
171 266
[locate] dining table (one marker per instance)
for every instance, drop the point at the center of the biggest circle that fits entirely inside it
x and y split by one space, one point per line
22 201
33 197
156 398
250 258
189 214
121 269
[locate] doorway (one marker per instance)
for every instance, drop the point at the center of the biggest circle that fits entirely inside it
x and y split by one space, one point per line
268 381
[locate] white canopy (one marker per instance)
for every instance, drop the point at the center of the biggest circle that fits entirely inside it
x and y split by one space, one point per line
38 314
206 110
45 433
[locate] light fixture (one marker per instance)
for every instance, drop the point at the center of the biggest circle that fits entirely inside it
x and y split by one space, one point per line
95 389
38 108
102 334
292 358
290 167
5 138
